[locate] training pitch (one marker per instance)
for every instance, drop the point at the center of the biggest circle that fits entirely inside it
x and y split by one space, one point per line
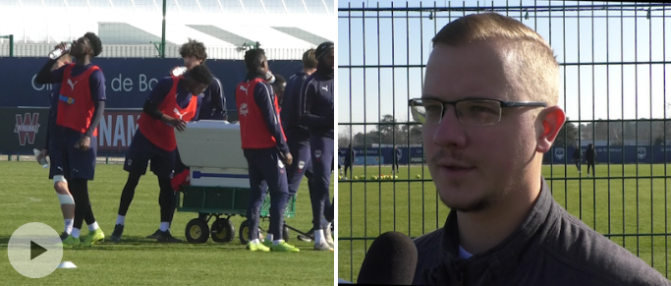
28 196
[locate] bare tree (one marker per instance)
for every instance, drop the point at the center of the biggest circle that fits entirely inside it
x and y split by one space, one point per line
344 136
387 129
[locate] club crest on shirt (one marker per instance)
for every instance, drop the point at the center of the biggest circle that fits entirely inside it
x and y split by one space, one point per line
244 109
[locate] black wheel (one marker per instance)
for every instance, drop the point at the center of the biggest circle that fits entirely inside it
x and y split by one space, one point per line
197 231
244 232
285 233
222 230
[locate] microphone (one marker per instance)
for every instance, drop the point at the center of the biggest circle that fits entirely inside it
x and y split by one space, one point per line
392 259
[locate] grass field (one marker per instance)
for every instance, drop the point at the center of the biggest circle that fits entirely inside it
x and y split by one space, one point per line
637 207
28 196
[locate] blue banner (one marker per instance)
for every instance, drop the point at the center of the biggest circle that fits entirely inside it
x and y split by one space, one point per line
612 155
413 155
128 81
556 155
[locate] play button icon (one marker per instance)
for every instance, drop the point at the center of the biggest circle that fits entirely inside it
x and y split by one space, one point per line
35 250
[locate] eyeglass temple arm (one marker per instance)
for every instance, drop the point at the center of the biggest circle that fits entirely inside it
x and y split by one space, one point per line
523 103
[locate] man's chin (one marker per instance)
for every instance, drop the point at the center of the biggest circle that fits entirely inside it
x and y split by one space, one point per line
458 203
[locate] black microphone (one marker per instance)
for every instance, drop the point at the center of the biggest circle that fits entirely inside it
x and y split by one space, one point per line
391 259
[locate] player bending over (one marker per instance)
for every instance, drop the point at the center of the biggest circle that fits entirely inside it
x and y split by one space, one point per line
212 107
173 102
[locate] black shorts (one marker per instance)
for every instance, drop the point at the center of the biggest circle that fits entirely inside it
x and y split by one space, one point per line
141 151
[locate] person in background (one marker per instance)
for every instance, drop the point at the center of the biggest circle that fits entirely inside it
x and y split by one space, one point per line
265 148
298 135
317 113
577 156
590 157
279 86
350 156
397 157
212 107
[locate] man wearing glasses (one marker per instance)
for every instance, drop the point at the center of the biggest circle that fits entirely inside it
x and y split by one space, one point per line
489 112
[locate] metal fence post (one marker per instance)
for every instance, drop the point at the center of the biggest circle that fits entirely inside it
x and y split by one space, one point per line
163 31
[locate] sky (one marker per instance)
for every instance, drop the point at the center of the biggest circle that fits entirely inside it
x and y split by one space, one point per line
587 92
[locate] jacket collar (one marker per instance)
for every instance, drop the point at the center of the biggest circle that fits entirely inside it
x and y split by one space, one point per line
496 262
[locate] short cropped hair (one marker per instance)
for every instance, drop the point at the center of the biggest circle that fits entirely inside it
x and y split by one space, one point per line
200 74
310 59
531 58
96 45
254 58
193 48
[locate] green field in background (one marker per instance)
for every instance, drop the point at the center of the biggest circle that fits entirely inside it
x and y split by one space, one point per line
367 209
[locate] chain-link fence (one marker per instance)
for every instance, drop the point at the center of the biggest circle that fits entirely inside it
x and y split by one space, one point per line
613 63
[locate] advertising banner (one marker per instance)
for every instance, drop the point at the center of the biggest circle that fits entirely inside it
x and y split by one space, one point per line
23 129
128 82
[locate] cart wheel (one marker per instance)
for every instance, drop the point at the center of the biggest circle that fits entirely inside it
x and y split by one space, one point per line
197 231
244 232
285 233
222 230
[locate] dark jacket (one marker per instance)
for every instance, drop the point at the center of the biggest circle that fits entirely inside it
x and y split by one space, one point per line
577 154
317 109
590 155
291 108
213 106
350 156
551 247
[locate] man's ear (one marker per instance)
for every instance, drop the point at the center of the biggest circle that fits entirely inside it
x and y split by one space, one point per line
551 119
89 50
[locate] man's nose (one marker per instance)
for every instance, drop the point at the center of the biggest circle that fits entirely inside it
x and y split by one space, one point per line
450 130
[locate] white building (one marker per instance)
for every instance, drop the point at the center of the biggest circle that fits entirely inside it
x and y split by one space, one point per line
133 28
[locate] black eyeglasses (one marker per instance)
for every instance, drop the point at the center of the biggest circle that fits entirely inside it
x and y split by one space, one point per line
478 112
